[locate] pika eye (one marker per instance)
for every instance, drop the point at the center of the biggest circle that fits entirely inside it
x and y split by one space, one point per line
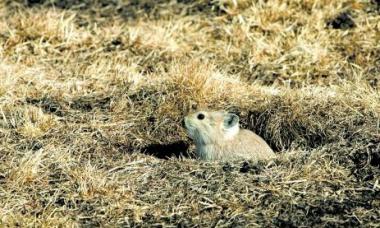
200 116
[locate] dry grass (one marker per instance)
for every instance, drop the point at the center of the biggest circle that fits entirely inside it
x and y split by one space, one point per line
92 94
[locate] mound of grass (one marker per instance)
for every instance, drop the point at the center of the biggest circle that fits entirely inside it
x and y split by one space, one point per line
92 95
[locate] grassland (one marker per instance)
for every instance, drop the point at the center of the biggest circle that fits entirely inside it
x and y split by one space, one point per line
92 94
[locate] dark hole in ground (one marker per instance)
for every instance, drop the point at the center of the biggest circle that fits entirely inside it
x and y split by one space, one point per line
115 44
2 178
165 151
341 21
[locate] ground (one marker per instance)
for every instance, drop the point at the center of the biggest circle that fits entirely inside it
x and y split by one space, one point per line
92 95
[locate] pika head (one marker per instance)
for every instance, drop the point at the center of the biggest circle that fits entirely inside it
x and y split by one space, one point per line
209 127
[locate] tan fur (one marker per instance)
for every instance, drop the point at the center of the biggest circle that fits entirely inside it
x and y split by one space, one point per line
216 141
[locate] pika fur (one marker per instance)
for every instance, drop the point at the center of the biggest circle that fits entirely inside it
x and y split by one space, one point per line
217 136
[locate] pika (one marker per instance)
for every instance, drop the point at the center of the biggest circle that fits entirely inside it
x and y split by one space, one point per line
217 136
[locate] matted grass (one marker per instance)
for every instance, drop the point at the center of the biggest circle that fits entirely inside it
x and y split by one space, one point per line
92 95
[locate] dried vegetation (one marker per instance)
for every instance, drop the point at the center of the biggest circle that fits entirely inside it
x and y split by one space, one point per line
92 94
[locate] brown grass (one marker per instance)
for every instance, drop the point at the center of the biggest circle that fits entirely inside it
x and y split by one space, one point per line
92 94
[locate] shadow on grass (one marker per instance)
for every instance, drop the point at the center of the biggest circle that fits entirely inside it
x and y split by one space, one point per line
131 9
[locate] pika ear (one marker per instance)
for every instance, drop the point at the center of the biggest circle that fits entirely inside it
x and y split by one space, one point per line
230 120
